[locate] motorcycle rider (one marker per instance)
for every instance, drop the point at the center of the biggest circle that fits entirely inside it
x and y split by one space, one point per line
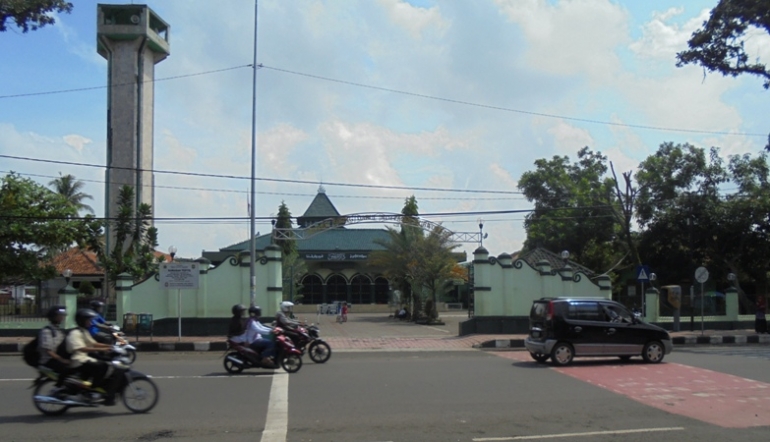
79 344
100 329
255 336
49 339
237 325
282 317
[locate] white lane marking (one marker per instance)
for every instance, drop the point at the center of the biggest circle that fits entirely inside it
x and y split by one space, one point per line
592 433
277 422
436 328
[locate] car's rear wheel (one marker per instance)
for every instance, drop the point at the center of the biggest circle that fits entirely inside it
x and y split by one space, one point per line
562 354
653 352
540 357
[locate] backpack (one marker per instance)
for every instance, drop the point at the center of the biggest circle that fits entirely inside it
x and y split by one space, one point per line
30 352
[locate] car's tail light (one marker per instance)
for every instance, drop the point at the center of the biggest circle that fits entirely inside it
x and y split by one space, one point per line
549 315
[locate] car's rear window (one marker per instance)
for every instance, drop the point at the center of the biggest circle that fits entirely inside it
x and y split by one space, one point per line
584 311
539 310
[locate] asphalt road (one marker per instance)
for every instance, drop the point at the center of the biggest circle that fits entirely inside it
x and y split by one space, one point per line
404 396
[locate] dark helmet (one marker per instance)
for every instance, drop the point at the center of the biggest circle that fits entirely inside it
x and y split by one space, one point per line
255 311
96 304
55 311
83 315
238 309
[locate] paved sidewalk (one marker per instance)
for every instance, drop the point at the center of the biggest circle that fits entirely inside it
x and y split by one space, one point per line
377 332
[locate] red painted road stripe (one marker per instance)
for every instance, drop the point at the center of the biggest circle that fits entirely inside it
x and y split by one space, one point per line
717 398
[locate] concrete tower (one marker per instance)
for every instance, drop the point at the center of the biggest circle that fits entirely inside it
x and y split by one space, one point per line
133 39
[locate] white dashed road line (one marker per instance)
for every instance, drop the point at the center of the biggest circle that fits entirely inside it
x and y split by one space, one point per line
277 422
592 433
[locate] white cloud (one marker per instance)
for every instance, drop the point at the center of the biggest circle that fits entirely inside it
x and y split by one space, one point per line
414 19
77 142
503 176
661 39
570 37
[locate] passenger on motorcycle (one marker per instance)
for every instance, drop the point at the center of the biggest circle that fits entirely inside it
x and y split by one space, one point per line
255 336
49 339
237 324
79 344
100 329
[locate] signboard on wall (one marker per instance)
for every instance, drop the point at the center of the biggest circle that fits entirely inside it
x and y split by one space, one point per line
179 275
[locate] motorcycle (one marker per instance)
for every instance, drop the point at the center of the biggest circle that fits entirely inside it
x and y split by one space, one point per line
119 338
240 356
308 338
137 391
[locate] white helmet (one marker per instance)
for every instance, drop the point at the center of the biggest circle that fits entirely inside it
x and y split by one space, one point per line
286 306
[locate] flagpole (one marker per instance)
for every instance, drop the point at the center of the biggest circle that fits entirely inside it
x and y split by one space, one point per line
252 230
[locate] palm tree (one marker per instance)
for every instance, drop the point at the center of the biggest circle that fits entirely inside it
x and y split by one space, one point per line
69 187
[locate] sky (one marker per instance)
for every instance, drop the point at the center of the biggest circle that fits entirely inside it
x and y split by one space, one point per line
449 101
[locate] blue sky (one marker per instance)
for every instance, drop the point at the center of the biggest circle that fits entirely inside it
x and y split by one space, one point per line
598 60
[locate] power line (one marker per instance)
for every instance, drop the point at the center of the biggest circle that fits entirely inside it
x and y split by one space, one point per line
507 109
413 94
244 192
275 180
81 89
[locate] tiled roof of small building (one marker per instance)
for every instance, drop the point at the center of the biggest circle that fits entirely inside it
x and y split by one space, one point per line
532 257
81 262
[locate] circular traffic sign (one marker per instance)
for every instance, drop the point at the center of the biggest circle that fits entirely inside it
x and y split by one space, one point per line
701 274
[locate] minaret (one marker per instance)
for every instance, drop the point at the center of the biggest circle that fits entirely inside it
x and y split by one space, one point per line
133 39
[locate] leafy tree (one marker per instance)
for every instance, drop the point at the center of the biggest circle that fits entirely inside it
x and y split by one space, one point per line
572 208
69 187
31 14
283 221
135 241
719 44
35 221
432 263
689 219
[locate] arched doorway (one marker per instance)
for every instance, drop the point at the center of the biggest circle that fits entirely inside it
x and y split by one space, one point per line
381 290
312 290
336 288
361 290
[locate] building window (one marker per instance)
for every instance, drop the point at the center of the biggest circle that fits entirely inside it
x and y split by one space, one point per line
360 290
381 290
312 290
336 289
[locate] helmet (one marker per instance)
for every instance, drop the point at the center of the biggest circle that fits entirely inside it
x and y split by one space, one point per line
83 315
286 306
255 310
96 305
55 311
238 309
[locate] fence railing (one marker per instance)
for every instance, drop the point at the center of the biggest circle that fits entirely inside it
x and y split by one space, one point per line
26 309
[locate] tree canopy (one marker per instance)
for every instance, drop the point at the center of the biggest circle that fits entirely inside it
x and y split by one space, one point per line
36 221
31 14
70 188
719 46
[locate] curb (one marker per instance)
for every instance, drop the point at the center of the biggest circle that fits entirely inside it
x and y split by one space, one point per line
678 340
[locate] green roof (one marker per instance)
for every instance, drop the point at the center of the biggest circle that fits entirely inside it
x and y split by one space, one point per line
329 240
321 207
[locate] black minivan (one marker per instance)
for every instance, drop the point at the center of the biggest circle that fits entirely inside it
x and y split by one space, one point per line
564 328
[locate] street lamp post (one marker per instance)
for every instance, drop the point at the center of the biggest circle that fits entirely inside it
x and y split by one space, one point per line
481 232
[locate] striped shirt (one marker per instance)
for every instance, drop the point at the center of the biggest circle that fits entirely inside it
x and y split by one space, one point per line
48 340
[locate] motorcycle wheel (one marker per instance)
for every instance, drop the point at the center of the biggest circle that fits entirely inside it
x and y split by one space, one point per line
46 388
319 352
231 366
140 395
291 363
131 355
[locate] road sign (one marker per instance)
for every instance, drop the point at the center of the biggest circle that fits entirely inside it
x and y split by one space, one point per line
179 275
642 273
701 274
